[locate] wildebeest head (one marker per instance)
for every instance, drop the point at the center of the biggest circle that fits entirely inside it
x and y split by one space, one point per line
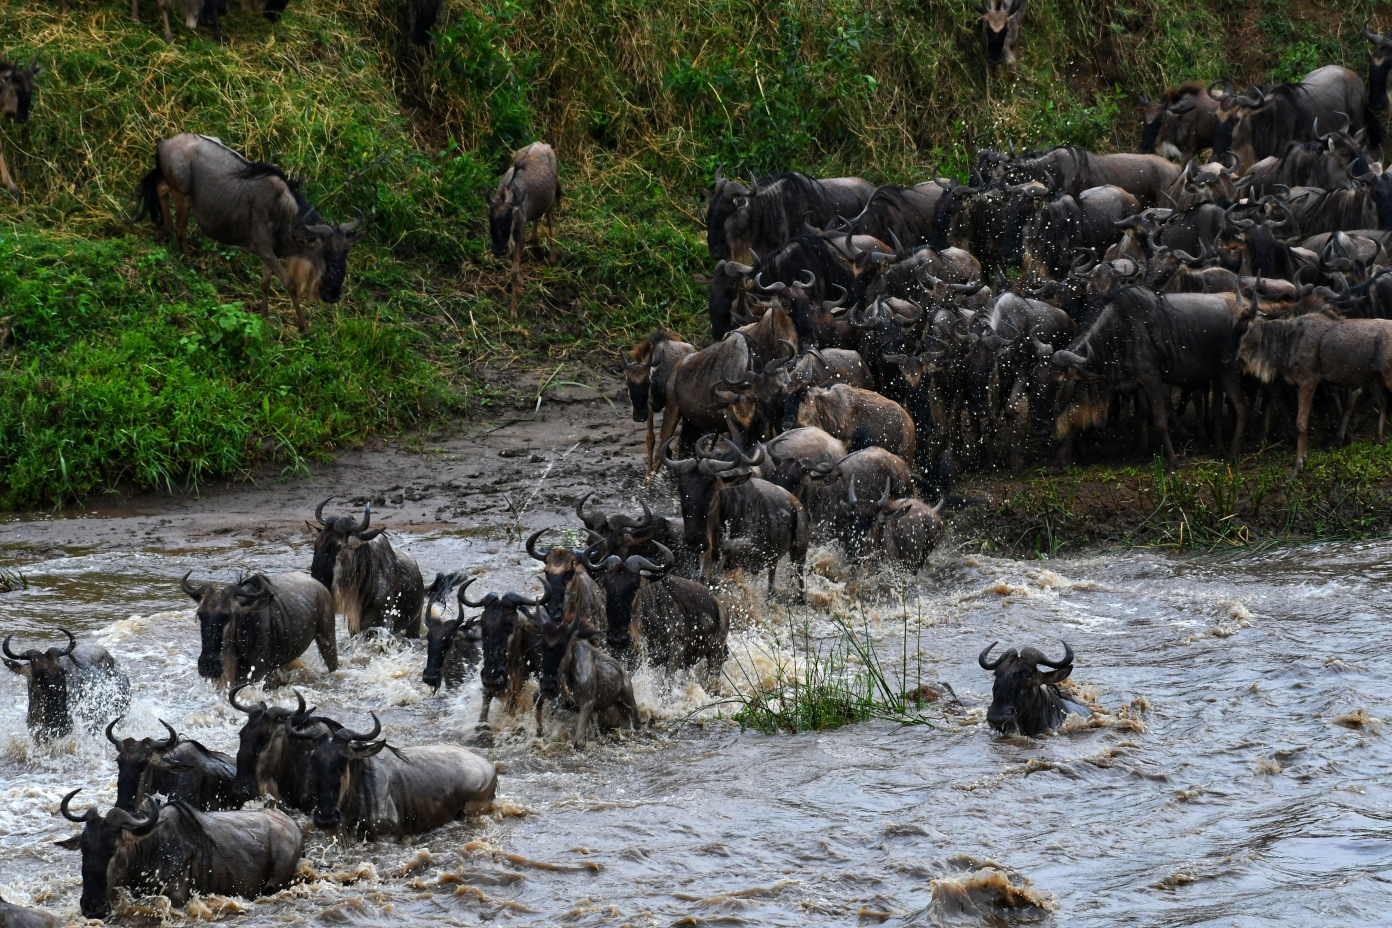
1001 18
639 373
731 287
100 839
1152 117
441 633
331 537
47 677
1025 699
229 621
618 532
321 263
1230 111
17 89
507 219
261 741
697 479
497 625
620 578
722 198
1379 65
561 565
330 765
136 761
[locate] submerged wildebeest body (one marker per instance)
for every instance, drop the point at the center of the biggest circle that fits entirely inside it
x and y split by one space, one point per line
80 680
373 584
646 376
182 770
1180 124
18 916
256 626
16 96
252 205
1260 125
1000 21
273 751
528 191
582 675
1025 700
371 792
762 217
176 851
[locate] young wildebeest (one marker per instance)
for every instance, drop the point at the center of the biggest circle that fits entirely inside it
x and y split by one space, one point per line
452 646
18 916
404 791
273 751
258 625
176 851
253 205
581 674
374 585
183 770
16 93
572 590
654 359
510 645
905 530
1001 21
529 190
81 679
1025 700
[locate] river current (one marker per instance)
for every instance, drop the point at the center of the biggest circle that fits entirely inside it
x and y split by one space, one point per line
1236 772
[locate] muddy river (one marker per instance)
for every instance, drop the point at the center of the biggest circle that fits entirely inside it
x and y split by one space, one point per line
1235 774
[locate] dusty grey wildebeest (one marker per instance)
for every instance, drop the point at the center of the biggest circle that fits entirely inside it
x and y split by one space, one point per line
860 418
254 627
510 643
272 763
761 217
904 530
1316 348
1024 699
16 96
176 769
80 680
1000 19
751 524
253 205
1379 65
573 590
1260 124
18 916
653 360
1180 124
528 191
1075 169
452 646
176 851
371 792
581 674
373 584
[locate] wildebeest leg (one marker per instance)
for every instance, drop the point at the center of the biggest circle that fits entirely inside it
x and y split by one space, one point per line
516 275
1232 386
1302 424
483 713
1340 439
326 642
135 10
582 724
270 264
6 179
182 207
540 704
164 15
773 572
1156 392
651 459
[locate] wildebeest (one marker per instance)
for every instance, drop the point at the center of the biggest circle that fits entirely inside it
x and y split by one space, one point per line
253 205
1379 65
16 96
763 216
373 584
904 530
509 644
654 359
1073 170
452 646
1259 125
1180 124
371 792
18 916
696 482
572 590
1000 19
1366 203
1024 699
1317 348
175 851
584 676
273 754
860 418
195 11
80 680
528 191
903 215
183 770
751 524
256 626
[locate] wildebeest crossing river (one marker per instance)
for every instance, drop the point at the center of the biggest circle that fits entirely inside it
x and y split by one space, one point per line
1238 777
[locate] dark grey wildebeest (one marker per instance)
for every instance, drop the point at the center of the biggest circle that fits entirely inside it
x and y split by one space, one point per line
373 793
581 675
528 191
273 751
177 769
763 216
1379 66
1024 699
1261 124
1000 20
1075 169
256 626
253 205
1180 124
374 585
80 680
654 359
16 96
176 851
18 916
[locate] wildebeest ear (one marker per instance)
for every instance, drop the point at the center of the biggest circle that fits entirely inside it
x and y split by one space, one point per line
351 229
361 751
72 844
21 669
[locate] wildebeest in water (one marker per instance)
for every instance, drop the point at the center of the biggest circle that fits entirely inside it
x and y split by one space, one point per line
1024 699
81 679
374 585
183 770
251 204
528 191
258 625
16 95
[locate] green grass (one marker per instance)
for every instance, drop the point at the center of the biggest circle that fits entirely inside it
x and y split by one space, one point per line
133 366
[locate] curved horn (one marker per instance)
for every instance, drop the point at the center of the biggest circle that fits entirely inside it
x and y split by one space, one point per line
627 522
1066 662
1227 89
366 520
169 742
343 734
883 501
72 643
839 301
110 729
232 698
143 826
683 466
811 279
990 665
531 545
190 589
580 507
5 648
63 807
465 599
319 511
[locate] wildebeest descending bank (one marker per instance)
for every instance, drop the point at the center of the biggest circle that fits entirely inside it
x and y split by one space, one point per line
1000 20
258 625
529 190
771 211
251 204
81 678
16 94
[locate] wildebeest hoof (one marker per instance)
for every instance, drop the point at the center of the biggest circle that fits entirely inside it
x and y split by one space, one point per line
17 194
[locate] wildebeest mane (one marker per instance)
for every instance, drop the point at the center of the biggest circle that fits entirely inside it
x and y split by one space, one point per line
643 350
768 209
256 169
1269 131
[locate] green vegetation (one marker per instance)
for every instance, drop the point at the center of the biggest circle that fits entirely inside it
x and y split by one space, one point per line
131 365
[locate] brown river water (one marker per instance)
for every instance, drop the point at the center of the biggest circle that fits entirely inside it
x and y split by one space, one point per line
1235 774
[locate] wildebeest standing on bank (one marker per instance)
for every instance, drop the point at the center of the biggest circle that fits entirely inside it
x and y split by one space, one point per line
1000 19
176 851
256 626
529 190
1024 699
16 94
374 585
1379 66
1261 125
654 359
81 679
759 218
399 791
253 205
183 770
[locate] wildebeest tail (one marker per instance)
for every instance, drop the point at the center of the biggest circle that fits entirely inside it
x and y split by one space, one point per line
1373 124
147 198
